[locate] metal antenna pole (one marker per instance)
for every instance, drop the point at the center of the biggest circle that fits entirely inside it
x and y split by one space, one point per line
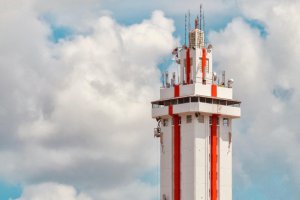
185 29
204 28
189 27
200 16
189 21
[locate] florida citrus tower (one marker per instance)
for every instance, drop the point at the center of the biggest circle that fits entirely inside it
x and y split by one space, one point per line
194 114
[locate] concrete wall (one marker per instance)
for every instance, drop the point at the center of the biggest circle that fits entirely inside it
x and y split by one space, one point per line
166 161
196 89
195 159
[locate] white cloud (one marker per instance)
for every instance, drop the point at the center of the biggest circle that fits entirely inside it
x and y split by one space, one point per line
265 68
78 111
172 7
217 12
56 191
51 191
76 14
135 190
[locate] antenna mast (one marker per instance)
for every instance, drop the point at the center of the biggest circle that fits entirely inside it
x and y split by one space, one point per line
189 21
204 26
200 16
189 27
185 29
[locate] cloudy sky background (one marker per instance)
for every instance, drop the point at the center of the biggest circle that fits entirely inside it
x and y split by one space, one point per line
77 78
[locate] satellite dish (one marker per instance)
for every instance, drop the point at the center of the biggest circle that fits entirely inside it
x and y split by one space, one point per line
209 47
230 82
215 76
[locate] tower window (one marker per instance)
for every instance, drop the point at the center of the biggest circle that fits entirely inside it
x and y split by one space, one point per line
194 99
174 102
180 101
167 103
165 122
208 100
223 102
201 118
186 100
225 122
189 119
216 101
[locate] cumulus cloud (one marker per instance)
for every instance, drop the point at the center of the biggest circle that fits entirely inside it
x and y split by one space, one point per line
50 191
75 112
78 111
266 71
134 190
77 15
217 12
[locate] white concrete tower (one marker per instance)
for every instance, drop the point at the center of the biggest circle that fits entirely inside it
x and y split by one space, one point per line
194 117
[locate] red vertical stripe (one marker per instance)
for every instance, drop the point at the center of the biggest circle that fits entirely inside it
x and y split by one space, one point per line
170 110
203 62
214 158
214 90
176 91
176 159
188 66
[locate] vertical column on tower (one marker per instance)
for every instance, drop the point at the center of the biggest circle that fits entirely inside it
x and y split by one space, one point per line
214 158
176 158
188 66
203 65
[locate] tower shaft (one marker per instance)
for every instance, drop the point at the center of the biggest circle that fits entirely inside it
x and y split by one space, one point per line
196 118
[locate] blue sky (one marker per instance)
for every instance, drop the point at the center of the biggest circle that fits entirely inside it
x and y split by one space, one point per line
8 191
57 130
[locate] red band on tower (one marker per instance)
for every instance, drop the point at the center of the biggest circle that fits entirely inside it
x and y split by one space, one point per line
176 158
188 66
176 91
203 62
170 110
214 158
214 90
